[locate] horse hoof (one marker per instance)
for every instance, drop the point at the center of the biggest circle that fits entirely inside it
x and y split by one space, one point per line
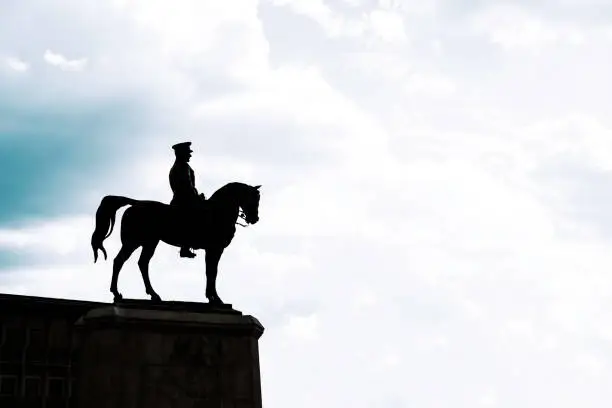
118 297
215 301
155 298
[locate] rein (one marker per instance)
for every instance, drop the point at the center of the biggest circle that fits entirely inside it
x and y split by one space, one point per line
243 216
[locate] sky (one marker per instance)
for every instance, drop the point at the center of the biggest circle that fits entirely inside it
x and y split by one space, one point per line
436 201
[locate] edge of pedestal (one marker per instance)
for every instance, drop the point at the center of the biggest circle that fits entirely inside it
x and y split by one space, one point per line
119 316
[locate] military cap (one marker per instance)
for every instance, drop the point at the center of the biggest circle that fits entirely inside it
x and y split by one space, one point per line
182 147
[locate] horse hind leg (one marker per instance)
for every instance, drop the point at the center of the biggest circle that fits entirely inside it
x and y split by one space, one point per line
148 250
123 255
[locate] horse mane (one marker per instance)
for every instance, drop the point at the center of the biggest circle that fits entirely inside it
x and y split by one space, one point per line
226 188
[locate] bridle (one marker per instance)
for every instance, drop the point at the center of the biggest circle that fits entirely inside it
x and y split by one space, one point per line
242 215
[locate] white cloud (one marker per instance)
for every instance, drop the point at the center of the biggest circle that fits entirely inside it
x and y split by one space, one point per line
63 63
365 298
303 328
55 237
17 64
488 399
514 27
387 25
590 363
391 360
429 84
575 137
383 23
318 10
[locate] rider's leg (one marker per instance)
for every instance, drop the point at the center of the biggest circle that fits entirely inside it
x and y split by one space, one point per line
183 217
188 211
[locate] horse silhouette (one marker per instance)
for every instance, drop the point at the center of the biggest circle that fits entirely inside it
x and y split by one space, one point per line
211 227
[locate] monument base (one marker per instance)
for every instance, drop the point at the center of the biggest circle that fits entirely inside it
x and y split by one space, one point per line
172 355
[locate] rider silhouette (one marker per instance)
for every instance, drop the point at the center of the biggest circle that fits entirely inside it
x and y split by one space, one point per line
182 183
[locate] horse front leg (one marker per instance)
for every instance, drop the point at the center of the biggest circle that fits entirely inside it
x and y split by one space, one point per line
213 256
143 263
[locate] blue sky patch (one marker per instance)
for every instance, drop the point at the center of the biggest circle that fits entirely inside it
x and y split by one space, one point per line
46 155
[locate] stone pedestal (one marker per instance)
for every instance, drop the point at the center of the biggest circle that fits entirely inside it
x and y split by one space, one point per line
172 355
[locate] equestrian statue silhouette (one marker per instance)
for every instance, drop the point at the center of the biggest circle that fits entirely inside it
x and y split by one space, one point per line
199 224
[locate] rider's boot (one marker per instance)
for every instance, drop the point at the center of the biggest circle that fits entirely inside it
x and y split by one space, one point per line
186 253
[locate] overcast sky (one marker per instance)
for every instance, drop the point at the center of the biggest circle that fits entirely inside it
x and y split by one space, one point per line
436 211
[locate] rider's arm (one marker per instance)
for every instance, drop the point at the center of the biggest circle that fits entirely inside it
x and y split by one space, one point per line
192 177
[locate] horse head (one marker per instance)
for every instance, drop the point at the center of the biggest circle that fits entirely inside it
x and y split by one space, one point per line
249 202
242 196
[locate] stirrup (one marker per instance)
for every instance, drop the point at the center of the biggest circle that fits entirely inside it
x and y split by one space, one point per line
187 253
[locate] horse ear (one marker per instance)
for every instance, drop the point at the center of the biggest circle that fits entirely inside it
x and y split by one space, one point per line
257 187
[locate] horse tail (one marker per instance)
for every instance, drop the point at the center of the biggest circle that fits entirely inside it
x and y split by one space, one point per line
105 221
